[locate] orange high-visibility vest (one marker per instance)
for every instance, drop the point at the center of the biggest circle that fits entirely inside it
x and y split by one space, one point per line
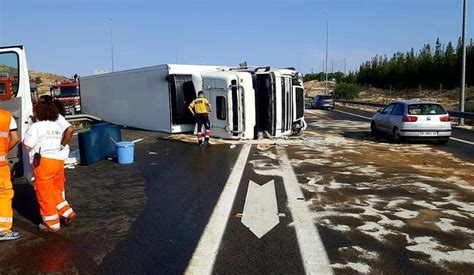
5 119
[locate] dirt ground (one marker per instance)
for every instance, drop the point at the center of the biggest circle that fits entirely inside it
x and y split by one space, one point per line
448 98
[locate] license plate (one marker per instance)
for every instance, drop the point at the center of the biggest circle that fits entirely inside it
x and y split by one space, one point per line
428 134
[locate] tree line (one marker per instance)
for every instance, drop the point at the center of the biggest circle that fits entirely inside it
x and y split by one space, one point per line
437 67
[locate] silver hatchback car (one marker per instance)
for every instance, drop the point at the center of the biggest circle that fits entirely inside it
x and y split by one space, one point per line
413 120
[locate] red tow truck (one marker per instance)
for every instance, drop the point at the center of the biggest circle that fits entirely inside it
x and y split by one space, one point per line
68 93
9 88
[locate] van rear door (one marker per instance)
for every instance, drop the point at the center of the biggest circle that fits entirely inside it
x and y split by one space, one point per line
13 64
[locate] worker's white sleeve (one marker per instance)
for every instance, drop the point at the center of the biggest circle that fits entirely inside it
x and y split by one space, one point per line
31 136
13 125
62 123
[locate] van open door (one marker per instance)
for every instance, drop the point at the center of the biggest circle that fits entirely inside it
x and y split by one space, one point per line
13 64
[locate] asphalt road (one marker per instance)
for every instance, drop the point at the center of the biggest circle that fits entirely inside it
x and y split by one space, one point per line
333 200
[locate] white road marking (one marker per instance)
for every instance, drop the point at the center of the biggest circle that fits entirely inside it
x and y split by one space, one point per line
313 253
347 113
462 140
205 254
260 213
453 138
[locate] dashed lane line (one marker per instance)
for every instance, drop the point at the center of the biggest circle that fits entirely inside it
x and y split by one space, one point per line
453 138
313 254
205 254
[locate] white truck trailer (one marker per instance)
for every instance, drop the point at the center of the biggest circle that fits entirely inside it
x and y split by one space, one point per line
152 98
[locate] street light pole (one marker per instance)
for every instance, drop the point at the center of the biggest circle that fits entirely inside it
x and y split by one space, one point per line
463 68
111 45
327 45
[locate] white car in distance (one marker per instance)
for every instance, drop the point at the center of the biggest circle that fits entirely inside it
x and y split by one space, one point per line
403 120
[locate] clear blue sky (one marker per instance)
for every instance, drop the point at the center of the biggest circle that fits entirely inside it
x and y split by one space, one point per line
65 37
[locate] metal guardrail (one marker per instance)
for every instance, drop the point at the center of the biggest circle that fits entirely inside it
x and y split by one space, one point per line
73 118
468 115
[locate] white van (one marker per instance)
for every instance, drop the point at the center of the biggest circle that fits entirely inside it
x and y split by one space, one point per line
13 62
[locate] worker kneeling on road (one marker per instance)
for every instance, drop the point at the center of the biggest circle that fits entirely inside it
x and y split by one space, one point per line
8 139
200 108
47 156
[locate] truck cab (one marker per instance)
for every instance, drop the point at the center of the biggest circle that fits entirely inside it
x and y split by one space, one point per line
279 101
247 101
68 93
13 62
232 98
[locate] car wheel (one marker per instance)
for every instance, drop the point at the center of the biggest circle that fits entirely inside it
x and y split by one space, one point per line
443 141
373 129
396 135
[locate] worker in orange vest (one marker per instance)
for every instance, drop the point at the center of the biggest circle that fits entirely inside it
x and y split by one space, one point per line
47 155
8 139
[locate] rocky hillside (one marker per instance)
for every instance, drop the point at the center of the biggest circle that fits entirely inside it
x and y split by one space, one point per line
46 80
315 87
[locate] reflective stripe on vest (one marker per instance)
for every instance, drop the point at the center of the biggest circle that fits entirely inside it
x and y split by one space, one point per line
3 158
4 134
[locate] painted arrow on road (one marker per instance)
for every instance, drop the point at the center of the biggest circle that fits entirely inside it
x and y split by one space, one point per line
260 210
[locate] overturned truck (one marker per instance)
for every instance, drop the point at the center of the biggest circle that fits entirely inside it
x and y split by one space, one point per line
245 101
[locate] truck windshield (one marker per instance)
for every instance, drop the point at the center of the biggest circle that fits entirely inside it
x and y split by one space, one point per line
69 91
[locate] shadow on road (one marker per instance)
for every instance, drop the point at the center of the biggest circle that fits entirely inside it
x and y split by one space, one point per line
367 136
25 203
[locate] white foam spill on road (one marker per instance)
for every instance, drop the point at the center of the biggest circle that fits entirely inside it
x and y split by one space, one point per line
461 183
439 253
394 203
425 204
426 187
419 176
375 230
361 252
454 213
407 214
359 267
447 225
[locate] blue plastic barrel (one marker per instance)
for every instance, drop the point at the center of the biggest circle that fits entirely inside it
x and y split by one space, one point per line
125 152
112 135
89 147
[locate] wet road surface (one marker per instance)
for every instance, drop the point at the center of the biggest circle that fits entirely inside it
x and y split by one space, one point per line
346 203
